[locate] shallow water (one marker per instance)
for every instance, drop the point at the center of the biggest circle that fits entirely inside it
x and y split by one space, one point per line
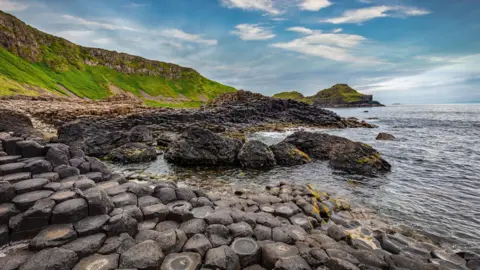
434 186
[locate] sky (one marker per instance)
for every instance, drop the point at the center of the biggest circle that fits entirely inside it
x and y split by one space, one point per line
401 51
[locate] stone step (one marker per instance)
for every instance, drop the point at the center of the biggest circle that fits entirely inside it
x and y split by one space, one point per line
9 159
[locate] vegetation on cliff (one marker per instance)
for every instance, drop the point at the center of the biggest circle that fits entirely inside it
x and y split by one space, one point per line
32 61
339 91
295 96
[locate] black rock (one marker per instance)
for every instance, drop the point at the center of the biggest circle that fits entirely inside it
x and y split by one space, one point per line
124 199
255 154
166 194
218 235
241 229
133 211
336 232
288 155
193 226
87 245
66 171
30 149
117 244
26 200
133 153
90 225
70 211
247 250
262 233
145 255
159 211
39 166
57 156
223 258
99 202
147 201
272 252
4 236
7 210
97 261
183 261
172 241
184 194
30 185
198 243
167 225
180 211
121 224
12 168
220 217
54 258
53 236
292 263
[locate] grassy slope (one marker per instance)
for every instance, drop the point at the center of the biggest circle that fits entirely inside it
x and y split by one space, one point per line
344 91
294 95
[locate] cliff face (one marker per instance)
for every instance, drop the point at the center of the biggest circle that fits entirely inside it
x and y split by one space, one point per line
46 53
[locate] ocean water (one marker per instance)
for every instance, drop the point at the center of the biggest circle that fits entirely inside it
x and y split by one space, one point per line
434 186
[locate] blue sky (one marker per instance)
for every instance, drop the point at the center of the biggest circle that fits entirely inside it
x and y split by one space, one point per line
408 51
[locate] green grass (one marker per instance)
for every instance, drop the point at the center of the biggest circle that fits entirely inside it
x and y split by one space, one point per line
343 91
295 96
93 81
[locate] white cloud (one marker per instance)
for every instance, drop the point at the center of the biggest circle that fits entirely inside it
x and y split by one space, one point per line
366 14
134 5
332 46
462 70
300 29
261 5
438 59
314 5
97 24
181 35
337 30
9 5
252 32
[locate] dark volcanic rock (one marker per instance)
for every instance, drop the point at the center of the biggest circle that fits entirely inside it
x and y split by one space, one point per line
316 145
98 262
133 153
145 255
17 122
87 245
91 225
70 211
7 191
198 146
198 243
288 155
385 137
184 261
98 201
223 258
140 134
273 252
121 224
255 154
51 259
53 236
26 200
247 250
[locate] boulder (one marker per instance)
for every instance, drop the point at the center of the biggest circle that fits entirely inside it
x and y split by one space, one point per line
223 258
145 255
54 258
53 236
288 155
98 262
218 235
193 226
198 243
133 153
255 154
99 202
39 166
90 225
87 245
316 145
183 261
247 250
70 211
140 134
385 137
121 224
58 155
198 146
29 149
17 122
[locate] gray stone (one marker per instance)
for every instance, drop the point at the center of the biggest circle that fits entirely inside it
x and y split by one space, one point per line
145 235
12 168
27 200
63 195
336 232
7 210
9 159
219 217
182 261
284 211
84 184
172 241
314 256
7 192
262 233
134 212
57 156
30 149
167 225
70 211
10 145
124 199
198 243
180 211
98 262
193 226
241 229
292 263
166 194
53 236
99 202
117 244
223 258
202 212
369 258
97 166
30 185
16 177
95 176
90 225
66 171
87 245
255 154
145 255
159 211
52 176
51 259
340 254
201 201
218 235
147 201
247 250
148 224
184 194
272 252
39 166
13 260
121 224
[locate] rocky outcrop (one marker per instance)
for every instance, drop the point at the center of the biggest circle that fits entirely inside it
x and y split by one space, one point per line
342 95
385 137
288 155
199 147
256 155
14 121
133 153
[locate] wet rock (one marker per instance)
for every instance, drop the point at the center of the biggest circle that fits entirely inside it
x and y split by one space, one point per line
30 149
182 261
167 225
247 250
70 211
193 226
54 258
292 263
385 137
180 211
90 225
98 262
159 211
272 252
339 264
262 233
223 258
39 166
218 235
26 200
172 241
124 199
198 146
87 245
241 229
121 224
288 155
145 255
198 243
133 153
99 202
255 154
117 244
53 236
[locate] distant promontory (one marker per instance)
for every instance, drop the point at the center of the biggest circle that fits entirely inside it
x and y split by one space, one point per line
337 96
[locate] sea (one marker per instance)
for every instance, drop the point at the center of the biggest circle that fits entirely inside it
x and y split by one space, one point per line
433 188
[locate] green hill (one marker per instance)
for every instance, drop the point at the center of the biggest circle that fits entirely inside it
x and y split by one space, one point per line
340 92
34 63
294 95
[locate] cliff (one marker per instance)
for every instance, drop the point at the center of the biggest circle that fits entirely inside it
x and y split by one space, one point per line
36 63
339 95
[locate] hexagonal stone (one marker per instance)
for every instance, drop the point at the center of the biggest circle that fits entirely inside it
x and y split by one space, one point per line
202 212
57 156
201 201
121 224
90 225
12 168
30 149
218 235
167 225
7 210
117 244
247 250
53 236
184 194
284 210
39 166
262 233
180 211
30 185
133 211
66 171
98 262
7 192
148 224
289 234
36 217
166 195
84 184
52 176
241 229
17 177
193 226
124 199
87 245
182 261
146 255
220 217
63 195
147 201
198 243
70 211
172 241
272 252
99 202
159 211
292 263
223 258
301 221
9 159
26 200
95 176
54 258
